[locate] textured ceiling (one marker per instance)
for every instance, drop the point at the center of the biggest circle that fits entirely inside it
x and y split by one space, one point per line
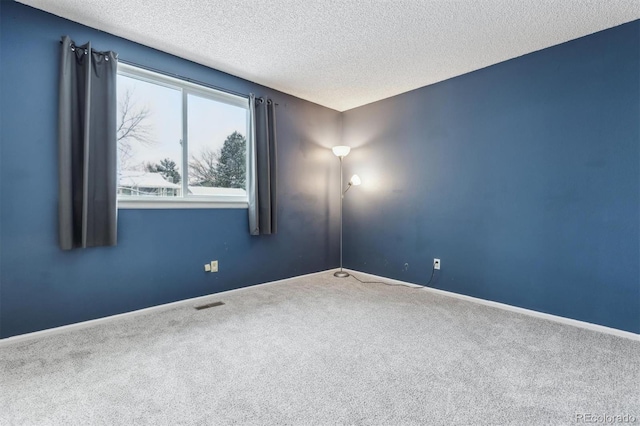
346 53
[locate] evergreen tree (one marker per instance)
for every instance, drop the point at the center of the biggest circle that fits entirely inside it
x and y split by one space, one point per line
225 168
167 168
231 168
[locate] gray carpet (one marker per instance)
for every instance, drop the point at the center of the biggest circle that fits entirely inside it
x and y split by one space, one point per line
317 351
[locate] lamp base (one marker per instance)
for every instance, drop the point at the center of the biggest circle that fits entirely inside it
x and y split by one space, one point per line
341 274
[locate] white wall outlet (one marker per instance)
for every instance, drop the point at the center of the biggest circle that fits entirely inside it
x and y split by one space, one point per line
436 263
207 267
214 266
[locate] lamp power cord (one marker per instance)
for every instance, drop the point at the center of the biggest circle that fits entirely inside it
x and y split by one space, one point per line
419 286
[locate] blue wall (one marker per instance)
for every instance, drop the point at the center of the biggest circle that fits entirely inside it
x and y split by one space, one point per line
522 177
160 253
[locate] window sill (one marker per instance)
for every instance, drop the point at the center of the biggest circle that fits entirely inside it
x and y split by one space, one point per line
184 203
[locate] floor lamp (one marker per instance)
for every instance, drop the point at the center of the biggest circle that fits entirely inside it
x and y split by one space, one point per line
341 152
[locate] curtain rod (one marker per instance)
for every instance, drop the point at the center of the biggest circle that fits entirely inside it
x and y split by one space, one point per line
191 80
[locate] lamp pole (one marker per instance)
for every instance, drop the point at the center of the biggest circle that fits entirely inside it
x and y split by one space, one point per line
341 273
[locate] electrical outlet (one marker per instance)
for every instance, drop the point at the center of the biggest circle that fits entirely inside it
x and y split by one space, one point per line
207 267
214 266
436 263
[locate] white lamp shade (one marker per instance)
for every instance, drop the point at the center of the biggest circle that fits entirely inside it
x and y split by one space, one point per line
341 150
355 180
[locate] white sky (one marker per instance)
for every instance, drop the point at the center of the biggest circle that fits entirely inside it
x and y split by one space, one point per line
210 122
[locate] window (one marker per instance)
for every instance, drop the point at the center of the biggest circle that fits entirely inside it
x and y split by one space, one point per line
179 144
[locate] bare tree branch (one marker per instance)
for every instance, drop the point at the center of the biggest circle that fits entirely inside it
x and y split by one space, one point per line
202 169
132 127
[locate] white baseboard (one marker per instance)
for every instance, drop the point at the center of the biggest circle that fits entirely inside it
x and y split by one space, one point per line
86 324
550 317
203 299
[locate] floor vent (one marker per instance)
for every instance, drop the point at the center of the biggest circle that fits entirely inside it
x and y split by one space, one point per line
209 305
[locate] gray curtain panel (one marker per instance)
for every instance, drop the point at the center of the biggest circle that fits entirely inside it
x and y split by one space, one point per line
252 170
87 147
273 164
263 197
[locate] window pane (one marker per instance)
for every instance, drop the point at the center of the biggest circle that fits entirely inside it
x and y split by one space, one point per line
149 139
217 147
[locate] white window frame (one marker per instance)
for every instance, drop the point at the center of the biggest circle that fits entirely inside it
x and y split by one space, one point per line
187 88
